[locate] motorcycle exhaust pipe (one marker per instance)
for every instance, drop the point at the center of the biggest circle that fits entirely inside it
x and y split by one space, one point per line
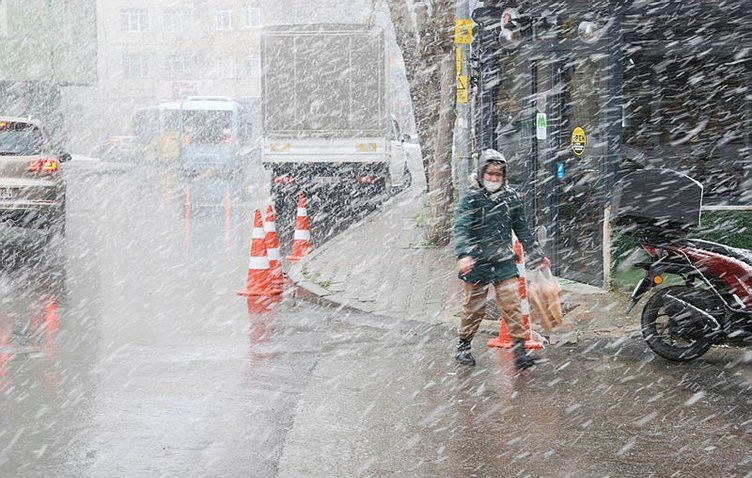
694 312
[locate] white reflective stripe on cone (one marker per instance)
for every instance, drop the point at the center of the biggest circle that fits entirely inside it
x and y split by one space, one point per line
258 263
525 307
302 234
521 269
273 254
270 226
302 211
258 233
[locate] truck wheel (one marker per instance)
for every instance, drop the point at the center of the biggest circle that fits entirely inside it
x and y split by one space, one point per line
382 191
284 214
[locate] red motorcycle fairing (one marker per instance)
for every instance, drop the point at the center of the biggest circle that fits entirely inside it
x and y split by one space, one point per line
735 273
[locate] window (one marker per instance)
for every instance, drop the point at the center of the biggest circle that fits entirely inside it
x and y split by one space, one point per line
134 19
688 114
224 20
225 68
174 19
20 139
177 66
252 17
4 18
135 66
69 14
253 66
207 126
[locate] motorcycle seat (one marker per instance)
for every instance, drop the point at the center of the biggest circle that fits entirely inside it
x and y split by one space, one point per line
742 255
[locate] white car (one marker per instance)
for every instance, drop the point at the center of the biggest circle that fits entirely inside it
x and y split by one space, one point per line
32 190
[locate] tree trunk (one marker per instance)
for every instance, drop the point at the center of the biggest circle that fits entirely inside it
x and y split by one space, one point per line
418 72
440 194
429 66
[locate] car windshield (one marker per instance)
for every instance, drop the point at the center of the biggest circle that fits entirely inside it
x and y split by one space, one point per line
20 139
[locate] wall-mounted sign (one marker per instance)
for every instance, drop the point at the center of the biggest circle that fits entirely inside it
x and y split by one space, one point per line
462 95
463 31
579 141
541 124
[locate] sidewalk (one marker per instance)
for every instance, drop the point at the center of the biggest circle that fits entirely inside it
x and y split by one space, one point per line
382 266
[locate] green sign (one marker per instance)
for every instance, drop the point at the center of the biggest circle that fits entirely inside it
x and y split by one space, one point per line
541 124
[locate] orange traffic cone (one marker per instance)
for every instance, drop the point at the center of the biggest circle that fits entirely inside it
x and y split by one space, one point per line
259 279
533 340
272 247
301 244
261 304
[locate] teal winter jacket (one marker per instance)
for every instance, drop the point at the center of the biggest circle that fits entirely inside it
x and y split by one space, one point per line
483 231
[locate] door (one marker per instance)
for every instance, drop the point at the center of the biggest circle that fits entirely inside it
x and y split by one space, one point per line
569 149
583 148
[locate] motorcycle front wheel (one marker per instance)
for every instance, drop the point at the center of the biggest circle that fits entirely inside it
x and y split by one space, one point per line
660 335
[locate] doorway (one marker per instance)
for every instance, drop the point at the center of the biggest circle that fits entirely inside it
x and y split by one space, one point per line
570 90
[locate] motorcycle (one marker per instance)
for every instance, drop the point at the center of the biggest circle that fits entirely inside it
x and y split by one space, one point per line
702 290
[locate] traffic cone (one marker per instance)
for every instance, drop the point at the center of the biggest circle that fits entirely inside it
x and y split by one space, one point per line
259 278
272 247
301 244
261 304
533 340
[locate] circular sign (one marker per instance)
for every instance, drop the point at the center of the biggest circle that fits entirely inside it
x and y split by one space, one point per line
579 141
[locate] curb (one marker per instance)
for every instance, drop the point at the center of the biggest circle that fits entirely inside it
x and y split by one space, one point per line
311 292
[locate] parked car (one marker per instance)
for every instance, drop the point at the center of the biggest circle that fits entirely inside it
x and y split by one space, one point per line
32 190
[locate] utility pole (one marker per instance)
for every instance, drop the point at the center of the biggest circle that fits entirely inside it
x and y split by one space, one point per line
463 33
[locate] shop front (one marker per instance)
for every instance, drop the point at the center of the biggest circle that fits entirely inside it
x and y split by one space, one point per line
576 96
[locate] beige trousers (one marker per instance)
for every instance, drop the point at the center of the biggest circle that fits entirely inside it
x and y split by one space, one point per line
507 302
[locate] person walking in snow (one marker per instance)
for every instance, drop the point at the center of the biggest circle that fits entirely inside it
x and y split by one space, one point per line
487 215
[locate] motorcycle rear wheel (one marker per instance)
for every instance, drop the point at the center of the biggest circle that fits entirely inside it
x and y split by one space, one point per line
658 336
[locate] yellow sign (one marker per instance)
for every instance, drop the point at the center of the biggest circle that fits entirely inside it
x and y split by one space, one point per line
462 88
279 148
366 147
458 60
463 31
579 141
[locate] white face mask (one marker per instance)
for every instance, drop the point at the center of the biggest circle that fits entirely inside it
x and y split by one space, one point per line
492 186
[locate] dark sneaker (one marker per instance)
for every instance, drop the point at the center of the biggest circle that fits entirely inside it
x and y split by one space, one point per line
463 354
522 361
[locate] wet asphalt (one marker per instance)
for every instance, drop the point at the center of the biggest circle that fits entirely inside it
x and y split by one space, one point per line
126 352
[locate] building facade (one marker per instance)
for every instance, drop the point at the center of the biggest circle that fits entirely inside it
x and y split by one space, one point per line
579 93
45 47
162 50
152 52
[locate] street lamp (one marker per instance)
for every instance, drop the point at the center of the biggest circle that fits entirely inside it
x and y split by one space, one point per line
510 35
590 31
